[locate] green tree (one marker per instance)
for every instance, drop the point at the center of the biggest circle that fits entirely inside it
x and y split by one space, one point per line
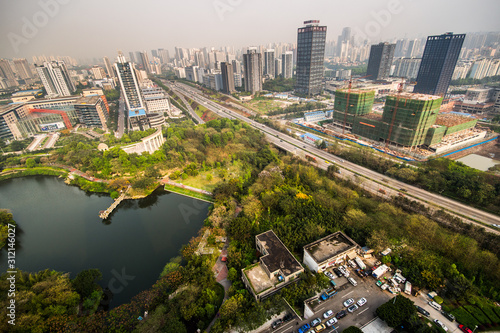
30 163
85 282
396 310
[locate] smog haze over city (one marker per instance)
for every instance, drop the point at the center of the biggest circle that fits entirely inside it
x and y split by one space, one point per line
94 28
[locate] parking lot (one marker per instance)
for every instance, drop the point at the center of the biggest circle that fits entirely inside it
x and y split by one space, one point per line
365 288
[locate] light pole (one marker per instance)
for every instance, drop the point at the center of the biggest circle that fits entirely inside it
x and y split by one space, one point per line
474 329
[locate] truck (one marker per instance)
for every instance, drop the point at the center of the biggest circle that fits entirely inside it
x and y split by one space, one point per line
408 288
360 263
380 271
328 293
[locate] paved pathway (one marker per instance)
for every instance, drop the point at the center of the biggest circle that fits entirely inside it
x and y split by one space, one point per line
194 189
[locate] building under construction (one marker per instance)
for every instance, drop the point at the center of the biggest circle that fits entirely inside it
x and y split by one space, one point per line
408 119
350 104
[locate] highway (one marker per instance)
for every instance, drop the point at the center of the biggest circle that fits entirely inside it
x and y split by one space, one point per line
371 180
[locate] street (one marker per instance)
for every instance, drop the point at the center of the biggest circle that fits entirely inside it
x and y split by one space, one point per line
376 180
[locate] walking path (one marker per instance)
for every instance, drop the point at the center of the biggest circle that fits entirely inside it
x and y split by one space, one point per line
220 269
187 187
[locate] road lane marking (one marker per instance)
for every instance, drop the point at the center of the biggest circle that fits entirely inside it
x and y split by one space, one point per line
362 311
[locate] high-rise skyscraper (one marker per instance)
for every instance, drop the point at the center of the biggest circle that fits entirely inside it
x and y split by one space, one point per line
277 67
310 57
55 78
227 78
380 61
131 56
109 69
252 63
287 65
7 73
145 62
163 55
128 83
98 72
23 69
438 63
269 63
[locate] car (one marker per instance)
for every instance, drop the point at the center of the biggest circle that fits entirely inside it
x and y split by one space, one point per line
328 274
352 308
361 302
464 329
328 314
315 322
352 281
423 311
276 324
341 314
320 328
287 317
440 324
337 272
331 322
349 302
304 328
448 316
303 146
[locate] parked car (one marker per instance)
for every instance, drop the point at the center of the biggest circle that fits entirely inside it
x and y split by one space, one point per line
440 324
328 274
341 314
319 328
448 316
352 308
361 302
464 329
304 328
288 317
423 311
315 322
276 324
337 272
435 305
331 322
352 281
349 302
328 314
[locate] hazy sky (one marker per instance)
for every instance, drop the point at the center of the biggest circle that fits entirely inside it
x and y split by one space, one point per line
94 28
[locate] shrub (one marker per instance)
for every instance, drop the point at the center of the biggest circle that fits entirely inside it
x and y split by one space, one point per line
464 317
438 300
478 314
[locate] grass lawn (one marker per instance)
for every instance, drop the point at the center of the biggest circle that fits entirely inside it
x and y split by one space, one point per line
201 181
265 105
187 192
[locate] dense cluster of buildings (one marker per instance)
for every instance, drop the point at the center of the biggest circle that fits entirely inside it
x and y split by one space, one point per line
277 267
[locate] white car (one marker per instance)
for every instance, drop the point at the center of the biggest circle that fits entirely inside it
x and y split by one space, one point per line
352 308
328 274
328 314
361 302
331 322
350 301
352 281
439 323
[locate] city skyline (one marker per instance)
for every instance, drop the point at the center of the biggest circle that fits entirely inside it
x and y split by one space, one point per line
57 27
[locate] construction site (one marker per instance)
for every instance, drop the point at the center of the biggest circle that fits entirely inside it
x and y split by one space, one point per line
409 125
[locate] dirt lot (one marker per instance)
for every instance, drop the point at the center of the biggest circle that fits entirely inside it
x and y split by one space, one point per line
485 150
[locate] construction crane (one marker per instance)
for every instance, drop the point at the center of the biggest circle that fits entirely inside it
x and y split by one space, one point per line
400 90
348 96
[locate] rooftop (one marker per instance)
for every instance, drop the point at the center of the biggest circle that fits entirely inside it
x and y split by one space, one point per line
356 91
450 119
136 112
330 246
258 278
91 99
419 97
278 256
